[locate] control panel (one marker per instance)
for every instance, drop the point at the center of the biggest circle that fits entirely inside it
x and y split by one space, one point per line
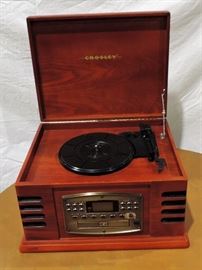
103 213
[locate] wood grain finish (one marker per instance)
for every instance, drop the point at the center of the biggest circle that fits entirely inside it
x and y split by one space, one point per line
111 69
42 175
101 66
50 229
51 137
103 243
157 227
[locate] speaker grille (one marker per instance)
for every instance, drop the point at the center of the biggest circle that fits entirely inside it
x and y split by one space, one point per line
31 209
174 194
173 206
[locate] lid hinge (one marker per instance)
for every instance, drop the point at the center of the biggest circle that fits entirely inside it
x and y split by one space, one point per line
163 133
104 120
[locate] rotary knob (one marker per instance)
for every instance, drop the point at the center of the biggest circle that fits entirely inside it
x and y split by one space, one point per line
130 215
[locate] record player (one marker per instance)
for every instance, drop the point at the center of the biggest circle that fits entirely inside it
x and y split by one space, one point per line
102 172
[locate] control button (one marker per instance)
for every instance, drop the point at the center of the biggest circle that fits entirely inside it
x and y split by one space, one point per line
74 209
68 209
80 204
74 216
83 216
122 203
81 209
112 215
135 207
103 216
74 204
128 203
123 208
129 207
93 216
121 215
135 202
68 204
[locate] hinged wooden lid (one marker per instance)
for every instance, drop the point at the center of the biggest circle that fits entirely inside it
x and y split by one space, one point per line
100 66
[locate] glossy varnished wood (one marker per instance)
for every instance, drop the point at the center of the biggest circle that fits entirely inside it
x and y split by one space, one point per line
181 259
128 85
105 243
50 230
44 157
42 175
112 69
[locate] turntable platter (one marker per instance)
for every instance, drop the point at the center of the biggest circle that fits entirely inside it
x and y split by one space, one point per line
96 153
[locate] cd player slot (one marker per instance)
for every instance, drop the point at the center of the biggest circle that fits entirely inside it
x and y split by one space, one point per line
98 224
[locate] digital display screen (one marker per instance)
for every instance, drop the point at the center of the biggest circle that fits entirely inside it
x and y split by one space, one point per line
102 206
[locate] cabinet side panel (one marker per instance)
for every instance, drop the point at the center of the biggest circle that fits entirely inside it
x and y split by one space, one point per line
167 214
37 209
